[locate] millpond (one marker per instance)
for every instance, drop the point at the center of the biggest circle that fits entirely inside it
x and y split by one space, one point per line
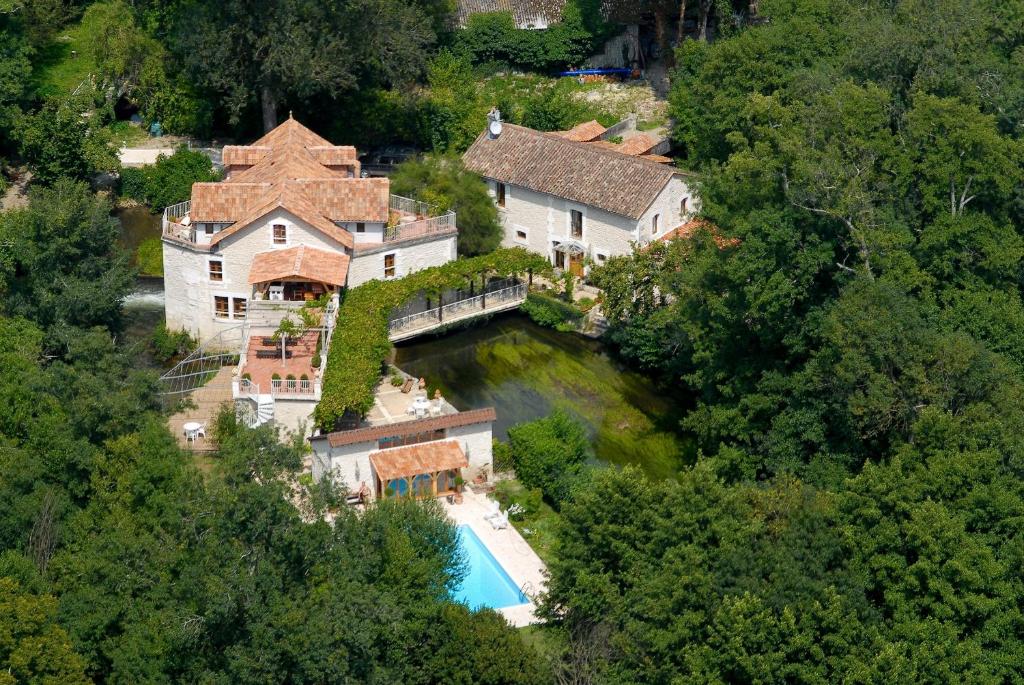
526 371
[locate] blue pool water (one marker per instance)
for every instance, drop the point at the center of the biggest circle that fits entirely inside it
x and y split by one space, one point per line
486 584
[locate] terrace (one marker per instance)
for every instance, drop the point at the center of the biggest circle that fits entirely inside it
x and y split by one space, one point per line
407 220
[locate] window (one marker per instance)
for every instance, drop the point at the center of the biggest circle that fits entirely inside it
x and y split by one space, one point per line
220 307
682 207
360 227
216 270
600 258
208 229
576 219
499 193
280 234
521 235
654 224
238 305
389 265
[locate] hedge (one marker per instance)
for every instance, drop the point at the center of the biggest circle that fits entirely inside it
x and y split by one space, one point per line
360 342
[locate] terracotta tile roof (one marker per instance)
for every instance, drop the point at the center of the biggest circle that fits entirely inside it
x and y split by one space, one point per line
244 154
579 172
289 168
660 159
686 231
637 145
524 12
350 199
413 460
584 133
290 197
225 201
302 261
372 433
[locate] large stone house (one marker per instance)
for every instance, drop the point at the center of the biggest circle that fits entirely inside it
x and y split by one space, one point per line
292 223
291 220
576 199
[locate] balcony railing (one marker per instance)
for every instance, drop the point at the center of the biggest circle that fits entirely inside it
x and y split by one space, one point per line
174 229
295 389
415 219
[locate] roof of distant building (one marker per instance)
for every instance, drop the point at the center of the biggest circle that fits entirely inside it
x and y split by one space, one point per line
584 133
413 460
687 230
525 13
294 169
371 433
586 173
302 262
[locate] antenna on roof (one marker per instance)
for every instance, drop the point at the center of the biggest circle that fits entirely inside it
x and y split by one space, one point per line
494 124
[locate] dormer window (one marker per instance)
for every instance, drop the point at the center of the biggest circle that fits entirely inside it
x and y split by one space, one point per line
280 234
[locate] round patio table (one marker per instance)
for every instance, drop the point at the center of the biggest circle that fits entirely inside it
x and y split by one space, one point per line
192 430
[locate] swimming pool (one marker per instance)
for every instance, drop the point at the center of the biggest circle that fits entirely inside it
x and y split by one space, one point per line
486 584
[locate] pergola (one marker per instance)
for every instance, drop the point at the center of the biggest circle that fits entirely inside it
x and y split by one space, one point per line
298 273
425 470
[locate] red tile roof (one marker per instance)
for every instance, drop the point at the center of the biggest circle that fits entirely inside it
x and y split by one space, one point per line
302 261
372 433
295 169
686 231
584 133
413 460
579 172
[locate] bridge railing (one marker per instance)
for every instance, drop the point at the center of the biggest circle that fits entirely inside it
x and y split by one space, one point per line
457 310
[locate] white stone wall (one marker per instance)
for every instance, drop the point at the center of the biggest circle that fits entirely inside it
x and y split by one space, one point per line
546 218
188 295
667 207
409 257
477 445
294 416
372 232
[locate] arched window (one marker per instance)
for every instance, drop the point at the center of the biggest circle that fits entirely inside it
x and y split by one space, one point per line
682 207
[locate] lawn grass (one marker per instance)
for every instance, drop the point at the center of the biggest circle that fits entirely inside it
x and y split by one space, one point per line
539 525
58 70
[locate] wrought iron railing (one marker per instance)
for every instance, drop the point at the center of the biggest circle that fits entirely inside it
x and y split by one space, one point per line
460 309
199 367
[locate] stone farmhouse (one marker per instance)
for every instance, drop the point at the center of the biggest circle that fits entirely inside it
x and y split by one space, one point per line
291 226
577 199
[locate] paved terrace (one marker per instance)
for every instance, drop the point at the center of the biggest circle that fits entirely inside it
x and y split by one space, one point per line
262 370
391 405
204 402
514 554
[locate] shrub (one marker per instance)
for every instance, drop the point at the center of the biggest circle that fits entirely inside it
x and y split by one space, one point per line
150 257
275 376
547 311
492 37
501 456
168 345
549 454
132 184
396 380
585 304
170 180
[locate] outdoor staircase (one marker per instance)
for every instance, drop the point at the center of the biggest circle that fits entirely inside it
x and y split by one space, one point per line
264 409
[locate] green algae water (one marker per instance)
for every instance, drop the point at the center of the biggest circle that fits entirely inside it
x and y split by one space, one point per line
526 371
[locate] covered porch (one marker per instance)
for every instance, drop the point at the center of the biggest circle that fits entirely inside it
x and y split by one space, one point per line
297 274
430 469
568 256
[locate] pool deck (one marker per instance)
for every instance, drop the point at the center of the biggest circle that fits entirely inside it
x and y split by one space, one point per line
514 554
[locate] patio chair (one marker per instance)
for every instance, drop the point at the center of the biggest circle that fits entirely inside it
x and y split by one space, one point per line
493 509
499 522
201 431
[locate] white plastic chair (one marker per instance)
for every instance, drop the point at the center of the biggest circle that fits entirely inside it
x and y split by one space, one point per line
201 431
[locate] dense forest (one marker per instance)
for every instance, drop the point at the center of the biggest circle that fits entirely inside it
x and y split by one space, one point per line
845 338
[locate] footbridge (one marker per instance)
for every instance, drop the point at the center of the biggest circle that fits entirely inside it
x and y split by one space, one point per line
508 296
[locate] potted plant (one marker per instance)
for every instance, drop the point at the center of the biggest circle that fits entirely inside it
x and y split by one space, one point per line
291 381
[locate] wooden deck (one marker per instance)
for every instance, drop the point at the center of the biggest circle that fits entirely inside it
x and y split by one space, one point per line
207 400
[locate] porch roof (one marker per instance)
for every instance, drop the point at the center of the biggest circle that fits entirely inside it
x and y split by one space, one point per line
300 262
413 460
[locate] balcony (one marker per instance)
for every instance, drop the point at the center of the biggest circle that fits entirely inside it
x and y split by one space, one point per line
175 226
410 219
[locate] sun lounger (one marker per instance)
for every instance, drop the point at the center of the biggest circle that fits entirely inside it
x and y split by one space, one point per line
493 509
499 522
407 387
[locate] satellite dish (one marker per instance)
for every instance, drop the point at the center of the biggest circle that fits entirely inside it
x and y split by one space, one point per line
495 129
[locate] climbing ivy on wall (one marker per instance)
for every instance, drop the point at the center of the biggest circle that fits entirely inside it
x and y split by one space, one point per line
360 342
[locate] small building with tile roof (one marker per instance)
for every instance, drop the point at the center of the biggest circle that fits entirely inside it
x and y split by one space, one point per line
576 199
292 220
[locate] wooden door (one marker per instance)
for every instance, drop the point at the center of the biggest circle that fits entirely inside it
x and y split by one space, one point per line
576 265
